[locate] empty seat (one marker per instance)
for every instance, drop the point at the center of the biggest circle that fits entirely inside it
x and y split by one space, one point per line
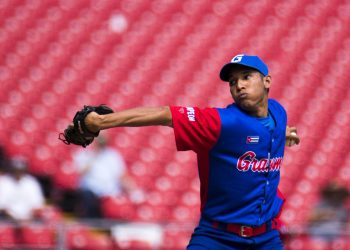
60 55
8 235
38 236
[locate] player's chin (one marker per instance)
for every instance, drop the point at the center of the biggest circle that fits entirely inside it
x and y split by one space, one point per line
246 105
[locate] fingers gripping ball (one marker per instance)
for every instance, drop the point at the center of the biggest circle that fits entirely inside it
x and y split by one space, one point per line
78 133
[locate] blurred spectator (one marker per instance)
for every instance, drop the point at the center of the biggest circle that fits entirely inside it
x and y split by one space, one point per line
102 174
4 161
21 197
329 217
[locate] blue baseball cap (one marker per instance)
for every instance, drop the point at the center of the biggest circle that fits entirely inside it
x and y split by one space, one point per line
246 60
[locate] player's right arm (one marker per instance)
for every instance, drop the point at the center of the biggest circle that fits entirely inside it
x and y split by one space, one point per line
136 117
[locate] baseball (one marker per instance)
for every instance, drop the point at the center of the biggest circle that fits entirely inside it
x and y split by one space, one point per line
293 133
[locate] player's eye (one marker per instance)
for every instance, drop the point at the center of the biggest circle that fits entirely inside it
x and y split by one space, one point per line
246 76
232 82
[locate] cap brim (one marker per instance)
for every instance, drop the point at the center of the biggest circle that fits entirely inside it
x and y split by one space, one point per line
226 69
224 73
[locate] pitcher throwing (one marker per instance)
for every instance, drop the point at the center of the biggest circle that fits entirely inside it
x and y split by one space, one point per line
239 150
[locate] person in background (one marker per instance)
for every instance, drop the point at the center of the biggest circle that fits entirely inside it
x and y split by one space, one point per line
21 197
329 217
4 160
102 174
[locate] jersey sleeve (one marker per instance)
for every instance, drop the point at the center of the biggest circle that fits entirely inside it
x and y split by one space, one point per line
194 128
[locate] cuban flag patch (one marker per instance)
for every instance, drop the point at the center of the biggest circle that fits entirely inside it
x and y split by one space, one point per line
253 139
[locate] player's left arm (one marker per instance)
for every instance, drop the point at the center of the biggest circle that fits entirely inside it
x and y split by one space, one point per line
292 137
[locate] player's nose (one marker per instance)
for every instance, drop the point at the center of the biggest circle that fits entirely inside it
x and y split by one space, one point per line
239 84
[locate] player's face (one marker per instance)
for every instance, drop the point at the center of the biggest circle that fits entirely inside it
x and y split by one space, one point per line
249 90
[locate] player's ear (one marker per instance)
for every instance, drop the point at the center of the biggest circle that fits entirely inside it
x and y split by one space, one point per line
267 81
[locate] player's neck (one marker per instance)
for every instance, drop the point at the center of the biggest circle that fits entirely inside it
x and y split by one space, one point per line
259 113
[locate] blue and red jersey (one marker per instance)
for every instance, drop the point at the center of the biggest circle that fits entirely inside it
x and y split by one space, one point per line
239 160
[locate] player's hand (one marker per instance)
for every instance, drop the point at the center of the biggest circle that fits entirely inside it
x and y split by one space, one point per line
91 122
292 137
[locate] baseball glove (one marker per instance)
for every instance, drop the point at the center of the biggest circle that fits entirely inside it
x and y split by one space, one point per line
78 133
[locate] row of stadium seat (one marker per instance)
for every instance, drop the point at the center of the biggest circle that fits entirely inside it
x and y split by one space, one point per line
60 55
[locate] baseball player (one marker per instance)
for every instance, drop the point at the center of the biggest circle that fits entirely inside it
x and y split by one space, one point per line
239 150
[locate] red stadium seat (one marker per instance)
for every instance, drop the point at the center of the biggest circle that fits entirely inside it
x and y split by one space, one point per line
38 236
118 208
66 178
8 235
175 239
85 238
60 55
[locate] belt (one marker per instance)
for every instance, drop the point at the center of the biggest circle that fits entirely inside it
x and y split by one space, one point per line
247 231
